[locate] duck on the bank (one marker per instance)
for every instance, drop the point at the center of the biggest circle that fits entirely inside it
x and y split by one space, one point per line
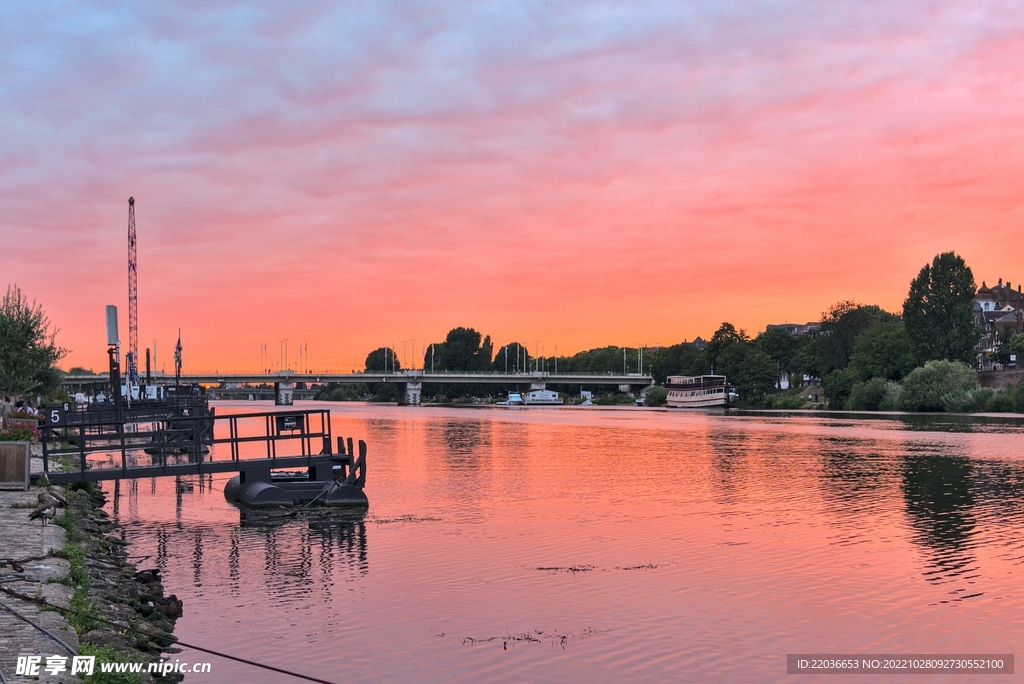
52 498
44 512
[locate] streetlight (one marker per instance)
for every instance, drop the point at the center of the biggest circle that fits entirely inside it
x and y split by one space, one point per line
414 354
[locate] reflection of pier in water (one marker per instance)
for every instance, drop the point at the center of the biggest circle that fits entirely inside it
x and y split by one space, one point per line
293 545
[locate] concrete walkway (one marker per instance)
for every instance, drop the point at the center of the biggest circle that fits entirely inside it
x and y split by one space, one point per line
29 543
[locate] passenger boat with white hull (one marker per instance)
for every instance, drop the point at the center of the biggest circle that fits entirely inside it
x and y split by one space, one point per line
696 391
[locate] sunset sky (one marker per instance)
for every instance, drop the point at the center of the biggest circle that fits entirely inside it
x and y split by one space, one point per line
577 174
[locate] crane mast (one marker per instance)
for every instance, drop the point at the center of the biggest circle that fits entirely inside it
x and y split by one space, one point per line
133 303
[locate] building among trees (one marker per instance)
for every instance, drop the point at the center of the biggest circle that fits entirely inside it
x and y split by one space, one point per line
999 314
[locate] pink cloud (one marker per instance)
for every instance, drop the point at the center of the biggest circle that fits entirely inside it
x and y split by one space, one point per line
587 174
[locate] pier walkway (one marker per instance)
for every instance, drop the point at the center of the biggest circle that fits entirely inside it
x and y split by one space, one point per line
167 439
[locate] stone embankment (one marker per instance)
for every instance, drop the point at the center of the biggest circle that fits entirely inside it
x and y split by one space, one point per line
76 564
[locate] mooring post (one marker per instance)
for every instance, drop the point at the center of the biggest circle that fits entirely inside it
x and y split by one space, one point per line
81 448
46 460
124 455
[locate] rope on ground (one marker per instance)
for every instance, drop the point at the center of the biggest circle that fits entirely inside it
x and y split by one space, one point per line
40 628
245 661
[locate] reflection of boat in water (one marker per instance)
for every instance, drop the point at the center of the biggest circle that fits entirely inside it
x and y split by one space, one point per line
699 391
542 398
315 517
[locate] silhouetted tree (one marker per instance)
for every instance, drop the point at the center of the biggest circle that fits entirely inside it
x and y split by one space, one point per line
512 357
462 350
383 360
726 349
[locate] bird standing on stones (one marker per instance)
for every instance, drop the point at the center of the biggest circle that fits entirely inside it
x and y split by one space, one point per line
52 498
44 511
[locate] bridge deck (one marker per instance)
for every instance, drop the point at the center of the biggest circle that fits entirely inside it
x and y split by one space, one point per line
425 377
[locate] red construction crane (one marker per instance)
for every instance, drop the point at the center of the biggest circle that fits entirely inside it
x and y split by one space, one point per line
133 300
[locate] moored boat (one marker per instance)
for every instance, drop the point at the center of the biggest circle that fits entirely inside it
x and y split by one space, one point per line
514 399
696 391
542 397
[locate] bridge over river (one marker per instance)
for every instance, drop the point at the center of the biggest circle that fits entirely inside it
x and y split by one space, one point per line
410 383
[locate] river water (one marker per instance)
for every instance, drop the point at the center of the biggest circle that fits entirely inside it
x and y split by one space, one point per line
593 545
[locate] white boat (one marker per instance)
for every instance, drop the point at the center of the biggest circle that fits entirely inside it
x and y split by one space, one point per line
542 398
514 399
696 391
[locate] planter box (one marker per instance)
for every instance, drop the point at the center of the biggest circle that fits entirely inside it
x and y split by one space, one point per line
15 467
23 422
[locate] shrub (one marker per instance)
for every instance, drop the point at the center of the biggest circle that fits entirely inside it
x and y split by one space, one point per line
837 385
613 399
893 397
20 433
1017 393
656 396
977 399
786 402
937 384
868 396
1000 402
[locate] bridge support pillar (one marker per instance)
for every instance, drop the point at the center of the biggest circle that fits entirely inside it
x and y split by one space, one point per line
409 393
283 392
533 386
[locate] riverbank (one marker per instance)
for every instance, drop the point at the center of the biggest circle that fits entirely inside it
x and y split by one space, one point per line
75 563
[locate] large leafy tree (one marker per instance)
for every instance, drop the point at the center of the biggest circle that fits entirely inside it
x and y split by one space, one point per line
726 349
938 312
383 359
756 376
841 325
463 350
28 350
883 351
785 349
678 359
733 354
513 355
601 360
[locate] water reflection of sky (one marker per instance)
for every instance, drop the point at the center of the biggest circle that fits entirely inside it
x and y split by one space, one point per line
628 545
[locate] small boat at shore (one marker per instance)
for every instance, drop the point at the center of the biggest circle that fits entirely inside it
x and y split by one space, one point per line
514 399
696 391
